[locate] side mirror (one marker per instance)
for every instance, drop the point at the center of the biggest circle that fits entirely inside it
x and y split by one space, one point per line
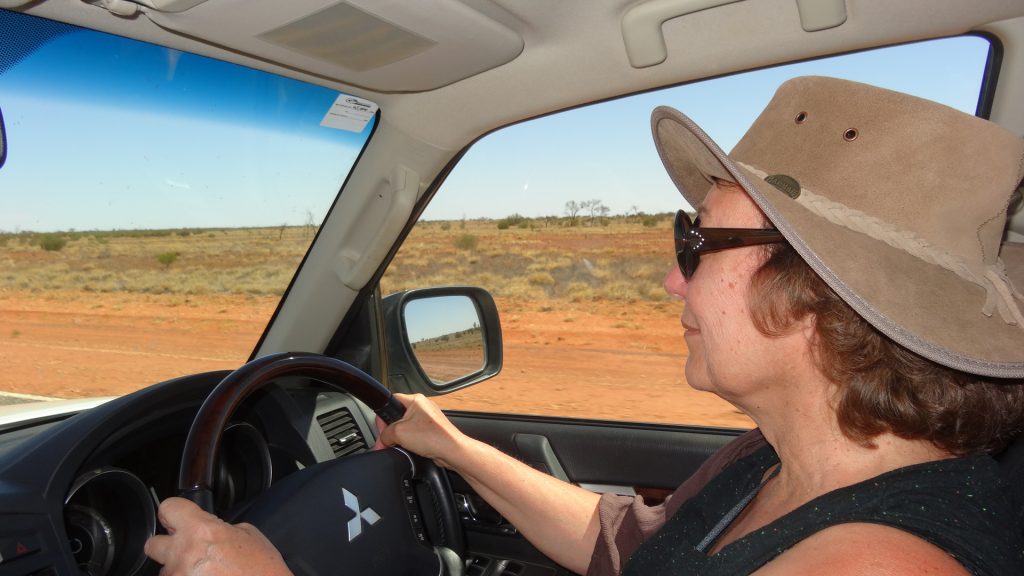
441 339
3 140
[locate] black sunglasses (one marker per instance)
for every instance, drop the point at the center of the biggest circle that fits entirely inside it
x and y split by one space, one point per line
692 240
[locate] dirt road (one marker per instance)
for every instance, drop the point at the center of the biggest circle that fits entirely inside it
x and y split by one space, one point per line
603 360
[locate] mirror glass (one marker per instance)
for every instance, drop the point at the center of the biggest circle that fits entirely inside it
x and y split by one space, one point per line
445 336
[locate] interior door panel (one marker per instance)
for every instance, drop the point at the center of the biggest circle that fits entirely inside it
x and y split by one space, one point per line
622 457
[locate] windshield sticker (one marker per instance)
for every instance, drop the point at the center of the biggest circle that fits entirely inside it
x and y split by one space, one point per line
349 113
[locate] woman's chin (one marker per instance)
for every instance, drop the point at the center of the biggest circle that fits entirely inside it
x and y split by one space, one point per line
696 379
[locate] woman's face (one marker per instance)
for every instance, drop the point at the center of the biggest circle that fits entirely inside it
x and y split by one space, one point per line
727 354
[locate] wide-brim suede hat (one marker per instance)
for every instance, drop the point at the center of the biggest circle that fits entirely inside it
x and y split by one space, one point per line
898 203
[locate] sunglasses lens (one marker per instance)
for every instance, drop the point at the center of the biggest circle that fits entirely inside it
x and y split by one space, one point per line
688 263
687 258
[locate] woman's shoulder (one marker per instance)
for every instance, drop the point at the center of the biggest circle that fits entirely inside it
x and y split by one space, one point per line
953 486
862 549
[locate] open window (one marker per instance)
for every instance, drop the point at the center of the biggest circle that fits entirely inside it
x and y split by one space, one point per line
567 219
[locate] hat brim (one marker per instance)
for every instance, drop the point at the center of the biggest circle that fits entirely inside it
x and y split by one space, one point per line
923 307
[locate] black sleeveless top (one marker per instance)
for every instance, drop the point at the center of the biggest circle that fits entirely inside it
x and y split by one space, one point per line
959 505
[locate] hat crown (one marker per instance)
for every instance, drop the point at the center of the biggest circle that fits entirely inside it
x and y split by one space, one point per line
895 157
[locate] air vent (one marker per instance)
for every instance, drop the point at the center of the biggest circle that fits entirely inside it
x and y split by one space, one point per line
342 432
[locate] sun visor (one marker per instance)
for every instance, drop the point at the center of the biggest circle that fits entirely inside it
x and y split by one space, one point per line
383 46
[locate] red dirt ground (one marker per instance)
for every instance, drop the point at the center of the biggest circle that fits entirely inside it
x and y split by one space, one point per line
604 360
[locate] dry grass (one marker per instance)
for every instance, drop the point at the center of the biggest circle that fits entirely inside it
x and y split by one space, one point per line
234 261
471 338
624 260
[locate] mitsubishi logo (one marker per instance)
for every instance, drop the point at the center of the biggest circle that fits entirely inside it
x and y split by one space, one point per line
355 525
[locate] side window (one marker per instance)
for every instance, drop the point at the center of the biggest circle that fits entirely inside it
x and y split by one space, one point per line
567 221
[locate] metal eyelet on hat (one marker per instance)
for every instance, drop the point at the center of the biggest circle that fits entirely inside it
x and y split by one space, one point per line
850 135
801 118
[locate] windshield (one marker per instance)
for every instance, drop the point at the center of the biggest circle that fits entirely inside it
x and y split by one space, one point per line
154 206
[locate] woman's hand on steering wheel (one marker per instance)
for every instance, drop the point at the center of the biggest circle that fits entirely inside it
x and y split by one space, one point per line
198 543
424 430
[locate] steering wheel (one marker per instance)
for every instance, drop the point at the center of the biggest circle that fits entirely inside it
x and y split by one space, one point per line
357 515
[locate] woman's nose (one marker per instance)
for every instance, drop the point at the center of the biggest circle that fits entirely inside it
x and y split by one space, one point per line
675 284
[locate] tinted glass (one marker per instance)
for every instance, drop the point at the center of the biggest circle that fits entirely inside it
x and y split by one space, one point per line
154 206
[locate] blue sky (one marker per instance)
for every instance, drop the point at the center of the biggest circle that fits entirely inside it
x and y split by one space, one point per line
106 133
438 316
605 151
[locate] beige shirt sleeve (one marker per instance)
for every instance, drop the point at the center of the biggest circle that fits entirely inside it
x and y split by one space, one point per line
626 521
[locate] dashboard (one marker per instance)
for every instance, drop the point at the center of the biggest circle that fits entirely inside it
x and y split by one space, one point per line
79 495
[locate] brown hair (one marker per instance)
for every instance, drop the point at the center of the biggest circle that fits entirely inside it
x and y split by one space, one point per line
881 386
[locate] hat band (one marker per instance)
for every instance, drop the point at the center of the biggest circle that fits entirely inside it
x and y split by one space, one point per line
1000 294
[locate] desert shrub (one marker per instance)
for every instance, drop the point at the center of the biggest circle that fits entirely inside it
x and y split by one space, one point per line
517 220
579 291
620 290
541 279
167 258
52 242
657 293
643 271
446 226
649 221
547 261
467 242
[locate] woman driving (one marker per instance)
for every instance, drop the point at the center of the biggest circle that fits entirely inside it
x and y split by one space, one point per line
843 288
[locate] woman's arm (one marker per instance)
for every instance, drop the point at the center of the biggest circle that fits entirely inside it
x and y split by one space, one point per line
558 518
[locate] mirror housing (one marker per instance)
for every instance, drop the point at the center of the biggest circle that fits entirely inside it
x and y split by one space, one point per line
3 140
406 372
